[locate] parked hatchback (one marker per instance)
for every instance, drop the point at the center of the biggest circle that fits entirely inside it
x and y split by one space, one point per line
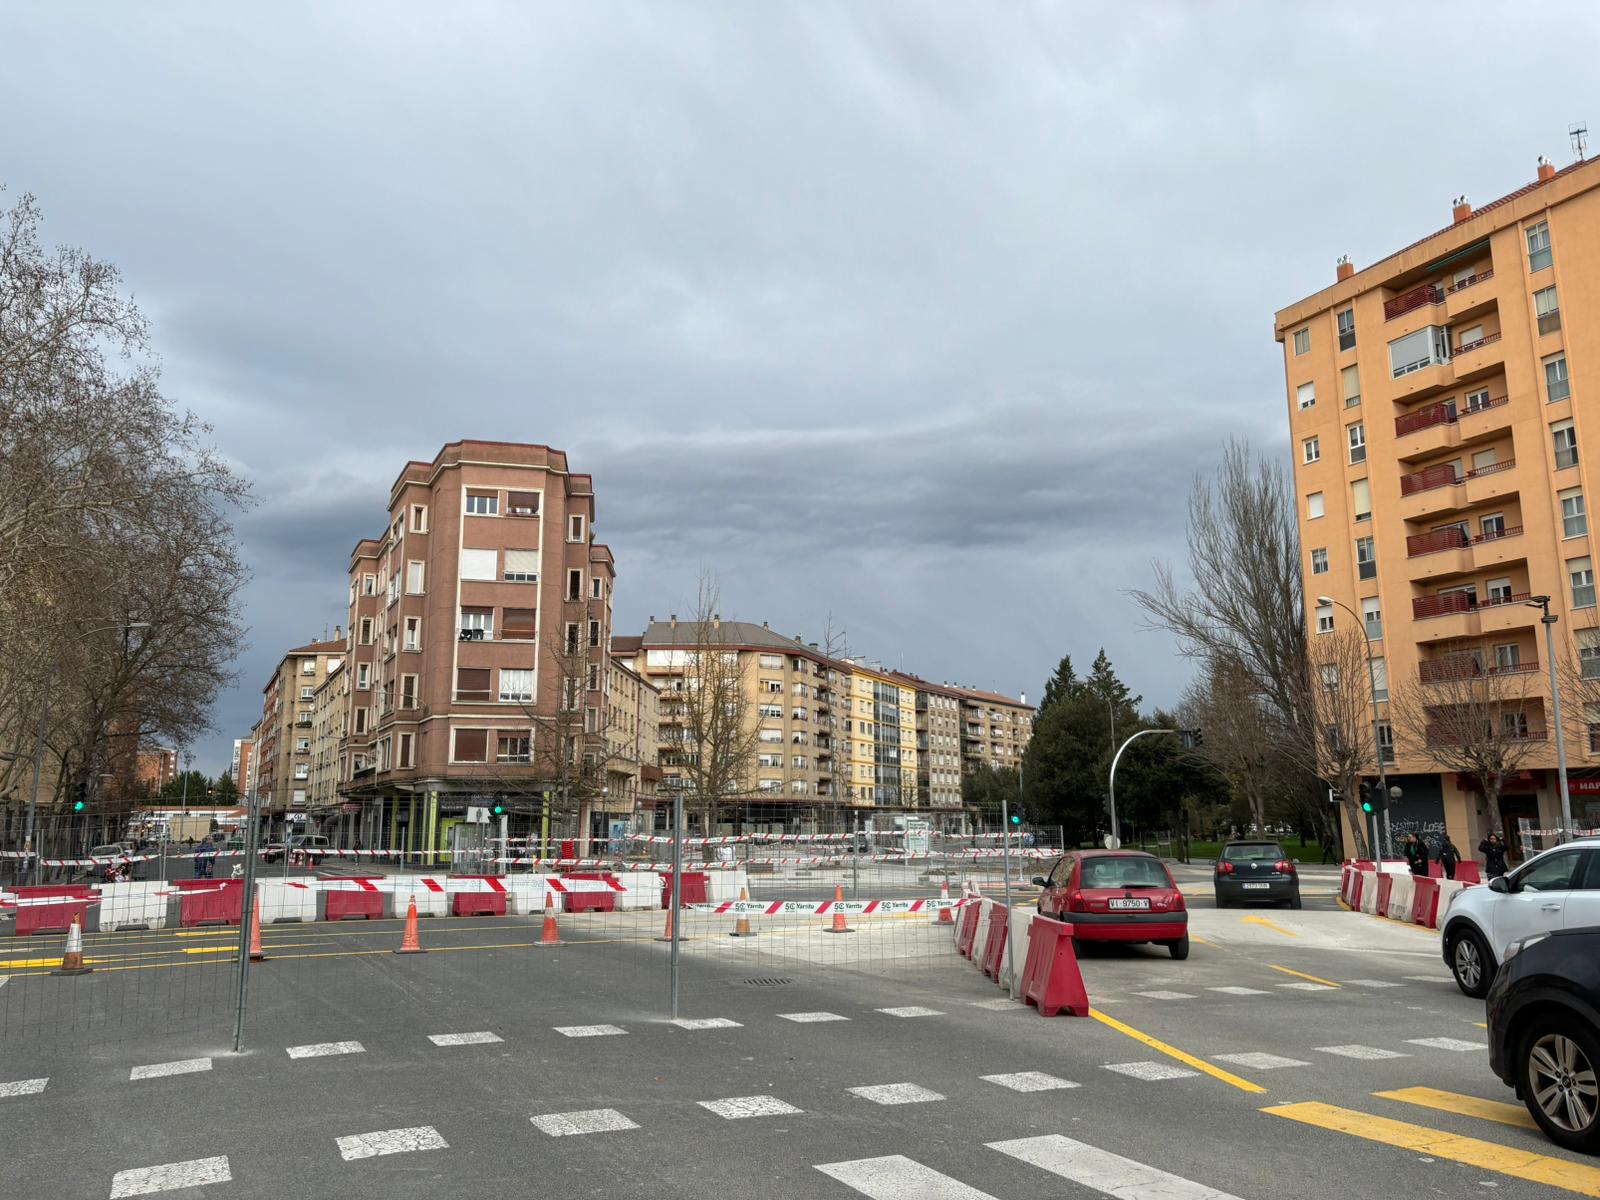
1255 871
1544 1031
1117 896
1559 889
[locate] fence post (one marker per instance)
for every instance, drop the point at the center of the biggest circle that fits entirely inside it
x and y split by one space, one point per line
246 909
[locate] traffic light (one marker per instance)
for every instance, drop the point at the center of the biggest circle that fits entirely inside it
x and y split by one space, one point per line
499 810
1016 818
1192 739
80 795
1369 796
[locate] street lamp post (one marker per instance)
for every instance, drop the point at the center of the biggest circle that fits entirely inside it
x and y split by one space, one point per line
1549 622
1377 746
1111 783
31 829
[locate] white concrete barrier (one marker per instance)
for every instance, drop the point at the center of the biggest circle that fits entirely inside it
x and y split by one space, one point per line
1016 955
430 903
282 902
1369 892
134 905
641 889
1447 888
1402 893
725 885
525 894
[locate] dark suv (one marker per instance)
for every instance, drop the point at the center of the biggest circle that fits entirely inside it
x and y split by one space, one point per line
1256 870
1544 1031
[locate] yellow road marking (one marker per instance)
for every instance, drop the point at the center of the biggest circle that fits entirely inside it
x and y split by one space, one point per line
1467 1106
1268 924
1489 1156
1199 1064
1201 940
39 962
1303 975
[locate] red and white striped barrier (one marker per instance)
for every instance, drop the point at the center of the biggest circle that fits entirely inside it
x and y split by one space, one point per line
820 908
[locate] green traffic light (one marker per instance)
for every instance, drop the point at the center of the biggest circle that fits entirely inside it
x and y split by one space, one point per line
1366 806
78 806
498 809
1015 819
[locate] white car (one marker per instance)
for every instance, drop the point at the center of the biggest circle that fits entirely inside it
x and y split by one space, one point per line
1557 889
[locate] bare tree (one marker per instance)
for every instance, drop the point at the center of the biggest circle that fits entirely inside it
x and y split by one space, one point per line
1238 742
1472 717
719 730
1341 696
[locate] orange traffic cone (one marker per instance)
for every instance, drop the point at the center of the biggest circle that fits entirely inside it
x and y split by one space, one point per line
666 934
838 925
551 936
945 917
410 943
72 960
741 926
257 954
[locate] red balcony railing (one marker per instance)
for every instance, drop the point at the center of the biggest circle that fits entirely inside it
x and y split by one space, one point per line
1494 535
1423 607
1490 340
1450 735
1416 298
1467 666
1425 418
1462 285
1435 541
1425 480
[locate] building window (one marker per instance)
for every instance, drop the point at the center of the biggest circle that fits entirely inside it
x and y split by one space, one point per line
1589 653
1372 617
369 585
1538 246
516 684
1314 505
469 745
1493 526
479 564
477 624
597 589
1311 450
483 504
366 631
1361 500
575 528
1574 520
363 676
517 624
1330 677
522 566
1306 395
1419 349
1556 384
1380 680
472 684
1469 337
414 578
407 756
1565 441
1581 573
513 748
1319 561
574 584
1302 341
408 691
1507 655
302 745
1548 309
1366 558
594 677
1514 725
1350 381
413 640
594 633
1357 436
522 504
361 720
419 518
572 642
306 693
1324 618
1386 743
1347 329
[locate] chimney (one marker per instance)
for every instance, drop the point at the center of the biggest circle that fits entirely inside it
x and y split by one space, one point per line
716 620
1344 268
338 633
1022 697
1547 169
1461 209
652 618
674 620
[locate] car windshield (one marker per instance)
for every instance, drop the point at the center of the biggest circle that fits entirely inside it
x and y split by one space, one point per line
1122 873
1253 852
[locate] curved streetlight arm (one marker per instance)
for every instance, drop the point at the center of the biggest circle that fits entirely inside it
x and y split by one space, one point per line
1111 786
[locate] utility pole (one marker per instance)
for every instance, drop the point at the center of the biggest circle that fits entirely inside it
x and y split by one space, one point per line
1549 622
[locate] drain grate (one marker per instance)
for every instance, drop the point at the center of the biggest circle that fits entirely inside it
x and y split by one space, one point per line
768 981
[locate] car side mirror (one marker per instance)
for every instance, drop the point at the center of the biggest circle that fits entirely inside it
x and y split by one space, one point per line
1499 884
1040 881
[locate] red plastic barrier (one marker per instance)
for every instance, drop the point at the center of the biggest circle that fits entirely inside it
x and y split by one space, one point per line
969 929
343 903
1051 980
53 918
1385 886
1468 872
593 901
695 885
995 946
207 901
478 904
1355 891
1426 902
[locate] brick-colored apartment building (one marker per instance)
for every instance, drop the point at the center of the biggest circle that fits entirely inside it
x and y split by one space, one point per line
1443 434
480 622
283 736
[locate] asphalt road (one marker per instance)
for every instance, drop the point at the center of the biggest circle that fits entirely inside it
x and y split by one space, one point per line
1262 1067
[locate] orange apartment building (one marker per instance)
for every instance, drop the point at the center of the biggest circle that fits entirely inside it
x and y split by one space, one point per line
1443 433
281 757
480 625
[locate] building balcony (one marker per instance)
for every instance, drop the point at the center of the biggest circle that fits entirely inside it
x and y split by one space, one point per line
1467 666
1442 489
1436 541
1426 607
1477 358
1466 298
1445 735
1417 297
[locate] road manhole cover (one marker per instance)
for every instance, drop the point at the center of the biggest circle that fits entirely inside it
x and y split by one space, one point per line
768 981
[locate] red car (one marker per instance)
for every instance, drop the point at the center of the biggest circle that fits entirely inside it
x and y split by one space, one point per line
1117 896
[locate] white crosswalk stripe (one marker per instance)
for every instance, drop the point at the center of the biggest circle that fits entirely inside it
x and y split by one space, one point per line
390 1141
187 1066
1165 995
1445 1043
1373 983
896 1177
169 1177
1104 1172
1239 991
1369 1053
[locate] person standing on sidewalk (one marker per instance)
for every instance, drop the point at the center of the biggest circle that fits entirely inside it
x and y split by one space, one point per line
1416 852
1494 855
1449 856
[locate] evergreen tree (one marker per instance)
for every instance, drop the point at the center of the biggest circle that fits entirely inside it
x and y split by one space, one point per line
1059 686
224 791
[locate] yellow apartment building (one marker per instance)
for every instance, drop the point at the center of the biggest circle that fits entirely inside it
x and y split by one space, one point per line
1443 431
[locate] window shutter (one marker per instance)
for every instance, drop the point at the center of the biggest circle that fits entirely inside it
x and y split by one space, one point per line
479 564
522 562
517 623
522 504
472 745
413 577
1361 496
472 683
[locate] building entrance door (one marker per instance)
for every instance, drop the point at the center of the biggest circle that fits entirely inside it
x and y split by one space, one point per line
1512 809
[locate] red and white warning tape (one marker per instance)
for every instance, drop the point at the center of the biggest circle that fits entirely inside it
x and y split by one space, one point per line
790 908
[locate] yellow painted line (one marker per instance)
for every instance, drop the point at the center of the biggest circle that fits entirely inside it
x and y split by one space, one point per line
1303 975
1467 1106
1199 1064
1574 1177
39 962
1268 924
1481 1024
1201 940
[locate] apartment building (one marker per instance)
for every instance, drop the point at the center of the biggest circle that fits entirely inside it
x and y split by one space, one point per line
995 729
480 621
938 721
633 745
1442 438
880 736
328 708
153 769
282 756
240 765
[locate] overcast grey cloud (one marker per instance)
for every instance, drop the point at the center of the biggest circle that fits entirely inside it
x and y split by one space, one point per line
922 314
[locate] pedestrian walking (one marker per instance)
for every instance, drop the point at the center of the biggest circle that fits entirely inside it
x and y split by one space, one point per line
1449 856
1493 850
1416 852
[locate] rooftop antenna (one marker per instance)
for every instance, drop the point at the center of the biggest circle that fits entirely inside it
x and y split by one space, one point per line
1579 133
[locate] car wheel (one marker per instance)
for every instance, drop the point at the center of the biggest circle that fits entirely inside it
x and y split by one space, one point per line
1180 948
1221 903
1556 1074
1470 964
1294 900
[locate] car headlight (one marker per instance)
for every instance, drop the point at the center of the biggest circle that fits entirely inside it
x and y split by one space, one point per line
1520 944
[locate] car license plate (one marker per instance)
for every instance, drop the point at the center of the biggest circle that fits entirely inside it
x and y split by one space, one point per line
1258 885
1127 903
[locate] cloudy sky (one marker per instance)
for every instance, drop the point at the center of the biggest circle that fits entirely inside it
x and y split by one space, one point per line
922 314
